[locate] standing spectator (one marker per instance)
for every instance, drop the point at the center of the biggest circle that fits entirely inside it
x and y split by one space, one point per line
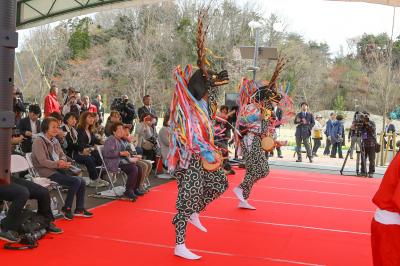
327 132
70 93
18 104
51 103
127 110
100 108
78 98
390 129
305 122
29 127
146 109
50 161
317 134
117 157
278 117
337 137
71 106
87 106
163 137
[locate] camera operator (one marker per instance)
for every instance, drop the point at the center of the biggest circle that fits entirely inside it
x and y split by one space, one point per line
367 131
127 110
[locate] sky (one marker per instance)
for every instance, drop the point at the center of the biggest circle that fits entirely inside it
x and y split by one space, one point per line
332 22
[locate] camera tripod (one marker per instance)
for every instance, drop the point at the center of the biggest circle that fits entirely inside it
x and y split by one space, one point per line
360 155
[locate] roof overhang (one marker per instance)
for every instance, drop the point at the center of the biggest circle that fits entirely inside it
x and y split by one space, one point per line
32 13
380 2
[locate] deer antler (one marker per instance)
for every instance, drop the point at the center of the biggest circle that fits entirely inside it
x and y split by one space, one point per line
200 41
278 69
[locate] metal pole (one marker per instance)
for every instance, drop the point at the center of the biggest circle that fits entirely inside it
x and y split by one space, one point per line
8 43
257 31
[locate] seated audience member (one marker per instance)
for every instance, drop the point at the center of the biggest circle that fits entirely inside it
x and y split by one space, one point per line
115 116
50 161
163 137
18 192
147 137
87 153
143 164
116 156
71 136
98 128
29 127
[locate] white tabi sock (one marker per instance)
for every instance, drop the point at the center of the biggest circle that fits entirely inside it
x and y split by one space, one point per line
246 205
239 193
195 220
183 252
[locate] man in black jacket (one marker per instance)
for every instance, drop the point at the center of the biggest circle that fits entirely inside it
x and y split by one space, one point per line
146 109
29 127
305 122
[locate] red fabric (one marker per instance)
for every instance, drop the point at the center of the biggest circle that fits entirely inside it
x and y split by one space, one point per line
51 105
385 241
141 233
388 195
92 108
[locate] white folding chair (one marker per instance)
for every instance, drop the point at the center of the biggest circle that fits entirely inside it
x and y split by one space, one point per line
113 191
44 182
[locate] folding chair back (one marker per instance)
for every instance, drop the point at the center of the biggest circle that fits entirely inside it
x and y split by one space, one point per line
18 164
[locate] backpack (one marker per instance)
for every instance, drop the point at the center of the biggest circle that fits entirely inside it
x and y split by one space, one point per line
32 229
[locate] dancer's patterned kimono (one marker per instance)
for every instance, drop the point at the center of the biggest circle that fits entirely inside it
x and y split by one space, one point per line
255 120
255 158
192 144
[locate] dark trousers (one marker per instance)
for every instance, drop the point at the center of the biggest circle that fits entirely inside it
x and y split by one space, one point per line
18 192
134 173
370 155
149 155
18 195
337 147
317 144
327 147
90 161
76 186
305 141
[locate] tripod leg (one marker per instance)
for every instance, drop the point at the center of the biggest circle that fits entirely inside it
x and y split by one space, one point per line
345 161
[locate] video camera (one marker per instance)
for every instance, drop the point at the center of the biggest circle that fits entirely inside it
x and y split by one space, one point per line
118 104
360 120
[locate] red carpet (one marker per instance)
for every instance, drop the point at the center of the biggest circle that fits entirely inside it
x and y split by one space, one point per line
301 219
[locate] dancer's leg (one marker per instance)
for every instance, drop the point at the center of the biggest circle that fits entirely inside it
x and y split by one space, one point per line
256 166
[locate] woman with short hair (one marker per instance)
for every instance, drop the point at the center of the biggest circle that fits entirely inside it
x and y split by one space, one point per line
50 161
116 156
